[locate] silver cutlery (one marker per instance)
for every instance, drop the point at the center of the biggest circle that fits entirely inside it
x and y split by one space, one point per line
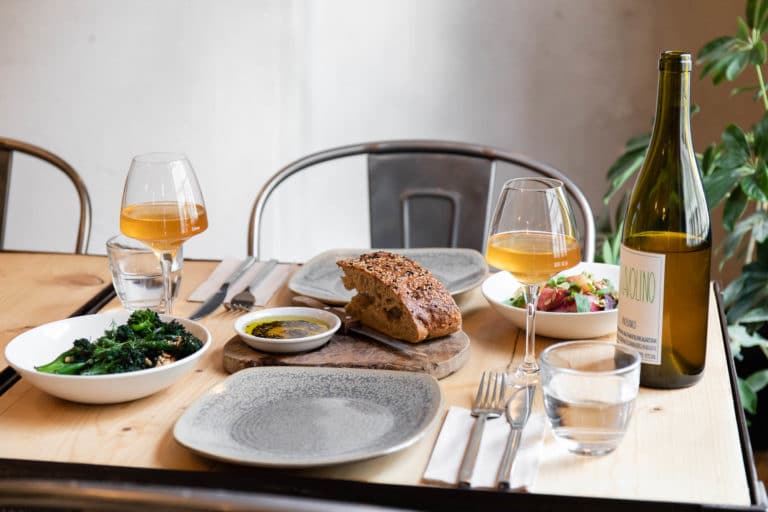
517 411
244 300
489 403
217 298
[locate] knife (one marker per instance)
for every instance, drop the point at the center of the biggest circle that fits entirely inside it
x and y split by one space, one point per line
517 411
349 324
215 300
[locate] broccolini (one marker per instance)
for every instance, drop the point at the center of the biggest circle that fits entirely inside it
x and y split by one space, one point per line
144 341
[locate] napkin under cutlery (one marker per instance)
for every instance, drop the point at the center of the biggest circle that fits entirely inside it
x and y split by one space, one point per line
448 451
262 292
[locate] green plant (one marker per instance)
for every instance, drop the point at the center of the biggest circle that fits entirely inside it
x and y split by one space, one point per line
735 174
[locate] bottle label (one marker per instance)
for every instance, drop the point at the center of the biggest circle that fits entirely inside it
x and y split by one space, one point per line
641 303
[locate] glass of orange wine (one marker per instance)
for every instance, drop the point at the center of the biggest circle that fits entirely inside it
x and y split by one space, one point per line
533 237
162 206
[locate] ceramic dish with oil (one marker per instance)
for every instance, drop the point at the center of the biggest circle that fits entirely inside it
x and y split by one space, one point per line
287 329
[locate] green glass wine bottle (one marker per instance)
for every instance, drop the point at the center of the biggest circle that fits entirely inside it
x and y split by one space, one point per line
666 245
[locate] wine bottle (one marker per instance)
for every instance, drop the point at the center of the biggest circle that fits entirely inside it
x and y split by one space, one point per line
666 244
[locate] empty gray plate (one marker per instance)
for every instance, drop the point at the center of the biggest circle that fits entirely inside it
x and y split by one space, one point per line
302 417
459 270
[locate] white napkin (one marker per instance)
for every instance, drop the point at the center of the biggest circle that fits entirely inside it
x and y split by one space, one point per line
262 292
451 443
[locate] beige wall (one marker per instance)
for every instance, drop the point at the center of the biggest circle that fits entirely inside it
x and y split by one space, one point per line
244 87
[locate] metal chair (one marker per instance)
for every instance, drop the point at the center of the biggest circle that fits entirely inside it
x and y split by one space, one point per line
428 193
7 148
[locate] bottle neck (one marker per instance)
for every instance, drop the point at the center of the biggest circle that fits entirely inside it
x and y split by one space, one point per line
673 107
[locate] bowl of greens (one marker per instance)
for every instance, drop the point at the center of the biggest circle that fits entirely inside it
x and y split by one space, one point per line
109 357
579 303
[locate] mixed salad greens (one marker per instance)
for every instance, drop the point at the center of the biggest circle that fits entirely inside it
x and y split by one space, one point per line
144 341
580 293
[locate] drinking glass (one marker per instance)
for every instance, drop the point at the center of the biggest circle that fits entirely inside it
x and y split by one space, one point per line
162 206
589 389
533 237
136 273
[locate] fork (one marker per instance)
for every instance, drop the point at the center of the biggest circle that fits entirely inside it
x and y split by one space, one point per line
245 300
489 403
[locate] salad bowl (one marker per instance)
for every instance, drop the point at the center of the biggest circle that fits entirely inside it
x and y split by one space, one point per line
499 288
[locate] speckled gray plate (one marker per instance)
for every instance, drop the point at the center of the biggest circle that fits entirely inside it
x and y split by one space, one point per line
459 270
303 417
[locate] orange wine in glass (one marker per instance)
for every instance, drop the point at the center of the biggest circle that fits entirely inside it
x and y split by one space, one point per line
163 207
533 237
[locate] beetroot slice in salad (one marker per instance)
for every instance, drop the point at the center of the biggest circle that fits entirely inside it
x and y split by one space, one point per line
580 293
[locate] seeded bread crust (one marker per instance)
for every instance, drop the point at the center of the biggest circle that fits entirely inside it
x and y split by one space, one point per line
399 297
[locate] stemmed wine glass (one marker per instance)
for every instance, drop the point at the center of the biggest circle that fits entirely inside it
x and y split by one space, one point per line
162 206
533 237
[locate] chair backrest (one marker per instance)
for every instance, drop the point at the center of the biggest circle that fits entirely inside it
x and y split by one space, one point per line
428 193
7 148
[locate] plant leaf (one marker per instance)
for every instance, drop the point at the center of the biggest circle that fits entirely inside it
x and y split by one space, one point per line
759 226
760 14
756 315
739 90
708 161
739 334
760 132
752 8
757 53
735 145
734 208
639 142
748 397
715 48
737 65
631 166
752 188
758 380
721 182
743 30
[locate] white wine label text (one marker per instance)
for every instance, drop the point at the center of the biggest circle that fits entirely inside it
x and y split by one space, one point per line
641 303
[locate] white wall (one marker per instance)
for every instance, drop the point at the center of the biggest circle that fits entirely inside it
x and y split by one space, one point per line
244 87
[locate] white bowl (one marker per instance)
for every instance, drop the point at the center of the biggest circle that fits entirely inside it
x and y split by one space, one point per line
292 344
501 286
46 342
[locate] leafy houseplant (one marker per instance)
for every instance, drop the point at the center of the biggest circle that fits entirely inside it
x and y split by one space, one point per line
735 174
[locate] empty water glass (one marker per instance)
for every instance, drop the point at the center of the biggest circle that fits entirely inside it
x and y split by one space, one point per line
589 393
136 273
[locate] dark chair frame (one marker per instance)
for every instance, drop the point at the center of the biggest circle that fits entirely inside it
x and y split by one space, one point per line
7 148
418 146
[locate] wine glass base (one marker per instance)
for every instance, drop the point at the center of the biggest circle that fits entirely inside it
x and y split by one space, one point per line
525 376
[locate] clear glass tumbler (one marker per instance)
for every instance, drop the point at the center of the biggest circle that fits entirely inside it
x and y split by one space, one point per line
136 273
589 393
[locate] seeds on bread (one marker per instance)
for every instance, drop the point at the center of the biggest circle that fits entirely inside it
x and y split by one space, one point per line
399 297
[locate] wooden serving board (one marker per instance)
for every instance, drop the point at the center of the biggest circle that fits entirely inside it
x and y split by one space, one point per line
442 356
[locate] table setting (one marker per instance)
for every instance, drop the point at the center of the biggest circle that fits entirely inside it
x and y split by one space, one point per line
421 372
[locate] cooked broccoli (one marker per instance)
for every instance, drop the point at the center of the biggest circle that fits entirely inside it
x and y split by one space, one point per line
135 345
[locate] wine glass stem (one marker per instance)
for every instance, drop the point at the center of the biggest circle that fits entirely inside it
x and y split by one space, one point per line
531 297
166 264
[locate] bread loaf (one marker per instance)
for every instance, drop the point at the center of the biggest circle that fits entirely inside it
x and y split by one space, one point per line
399 297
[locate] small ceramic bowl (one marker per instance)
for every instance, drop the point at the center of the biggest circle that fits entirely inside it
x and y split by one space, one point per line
499 287
288 345
44 343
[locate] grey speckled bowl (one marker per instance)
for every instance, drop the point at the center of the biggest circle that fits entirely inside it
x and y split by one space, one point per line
303 417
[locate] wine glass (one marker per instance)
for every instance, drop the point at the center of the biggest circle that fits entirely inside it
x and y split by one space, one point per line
533 237
162 206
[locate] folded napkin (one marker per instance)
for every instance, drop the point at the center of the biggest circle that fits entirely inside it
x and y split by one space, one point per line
451 443
263 291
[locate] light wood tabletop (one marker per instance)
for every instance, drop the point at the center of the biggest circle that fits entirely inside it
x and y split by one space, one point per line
681 446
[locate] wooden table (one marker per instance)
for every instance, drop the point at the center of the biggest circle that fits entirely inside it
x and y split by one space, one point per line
683 446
